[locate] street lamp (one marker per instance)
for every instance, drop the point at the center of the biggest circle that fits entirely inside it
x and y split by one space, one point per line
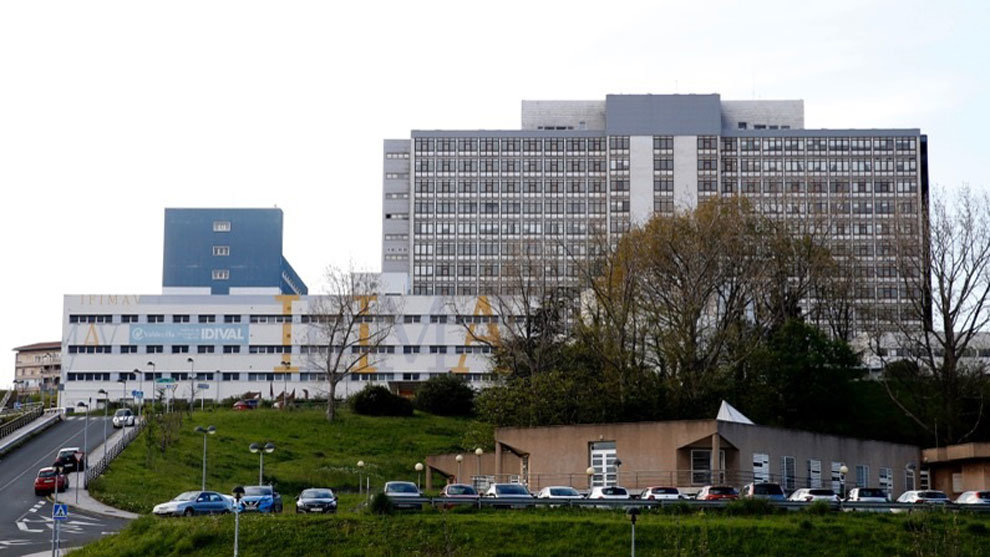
360 465
238 493
217 399
85 449
419 473
285 382
590 471
617 464
106 399
192 384
459 458
56 542
633 512
152 364
261 451
210 430
843 470
478 452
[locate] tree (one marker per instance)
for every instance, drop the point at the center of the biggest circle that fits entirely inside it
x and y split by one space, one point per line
349 325
946 280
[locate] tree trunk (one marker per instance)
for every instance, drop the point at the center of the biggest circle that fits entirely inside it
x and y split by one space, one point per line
332 401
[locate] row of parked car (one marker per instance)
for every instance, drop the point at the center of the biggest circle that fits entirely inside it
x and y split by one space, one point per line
256 498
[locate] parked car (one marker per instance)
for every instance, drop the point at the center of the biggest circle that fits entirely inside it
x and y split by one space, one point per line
516 492
397 491
459 491
561 492
245 405
123 418
763 490
194 502
657 493
261 498
927 497
812 494
71 459
316 500
717 493
609 492
974 498
49 480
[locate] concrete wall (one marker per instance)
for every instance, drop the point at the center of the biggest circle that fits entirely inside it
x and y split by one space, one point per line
685 172
768 113
578 115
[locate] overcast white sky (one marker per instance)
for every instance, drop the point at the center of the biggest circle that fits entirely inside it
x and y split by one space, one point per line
111 111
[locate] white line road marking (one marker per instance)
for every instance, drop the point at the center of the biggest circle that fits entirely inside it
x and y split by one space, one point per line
13 543
23 527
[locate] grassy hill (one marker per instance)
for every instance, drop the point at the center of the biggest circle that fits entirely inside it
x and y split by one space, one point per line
309 452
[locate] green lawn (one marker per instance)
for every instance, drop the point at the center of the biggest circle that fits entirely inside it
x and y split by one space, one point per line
547 532
309 452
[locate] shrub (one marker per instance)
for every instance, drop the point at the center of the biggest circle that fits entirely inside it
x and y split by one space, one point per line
445 395
751 507
379 401
818 507
381 504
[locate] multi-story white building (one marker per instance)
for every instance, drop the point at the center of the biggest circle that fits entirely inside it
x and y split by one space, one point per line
221 346
459 205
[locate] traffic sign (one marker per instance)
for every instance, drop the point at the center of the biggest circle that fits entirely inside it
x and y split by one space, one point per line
60 512
165 381
203 385
137 394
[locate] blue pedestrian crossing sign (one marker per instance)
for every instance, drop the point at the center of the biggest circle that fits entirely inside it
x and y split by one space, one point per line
60 512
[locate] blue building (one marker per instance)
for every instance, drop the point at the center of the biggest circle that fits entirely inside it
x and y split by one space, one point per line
222 249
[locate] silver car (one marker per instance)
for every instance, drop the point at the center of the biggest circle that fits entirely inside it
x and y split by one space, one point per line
123 418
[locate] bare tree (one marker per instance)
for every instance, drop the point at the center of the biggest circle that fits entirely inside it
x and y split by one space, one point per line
349 326
945 278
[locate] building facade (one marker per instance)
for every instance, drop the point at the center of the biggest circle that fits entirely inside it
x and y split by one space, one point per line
459 205
38 367
220 346
215 250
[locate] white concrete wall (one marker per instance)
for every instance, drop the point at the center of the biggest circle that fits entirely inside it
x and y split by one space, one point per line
640 178
685 172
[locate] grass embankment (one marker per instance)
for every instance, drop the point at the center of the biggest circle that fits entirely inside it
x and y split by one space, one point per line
546 532
309 452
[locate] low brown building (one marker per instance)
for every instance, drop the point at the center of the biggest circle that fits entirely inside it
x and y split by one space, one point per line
38 367
958 468
687 454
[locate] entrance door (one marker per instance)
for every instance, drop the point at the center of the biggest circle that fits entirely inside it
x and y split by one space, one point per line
603 461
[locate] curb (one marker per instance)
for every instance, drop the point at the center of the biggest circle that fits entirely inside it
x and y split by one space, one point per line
109 512
22 438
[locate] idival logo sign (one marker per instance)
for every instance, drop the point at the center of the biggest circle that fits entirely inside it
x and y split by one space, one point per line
188 333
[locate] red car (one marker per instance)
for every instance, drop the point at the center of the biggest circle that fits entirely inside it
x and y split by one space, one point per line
717 493
245 405
47 481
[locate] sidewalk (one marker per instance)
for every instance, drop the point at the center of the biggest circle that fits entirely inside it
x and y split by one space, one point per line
86 501
28 431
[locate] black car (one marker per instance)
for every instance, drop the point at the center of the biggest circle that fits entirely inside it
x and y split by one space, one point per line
316 500
70 459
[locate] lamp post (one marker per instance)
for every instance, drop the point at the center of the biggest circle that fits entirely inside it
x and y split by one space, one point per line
285 382
459 458
106 399
217 399
360 465
261 451
590 471
85 457
238 493
123 391
618 463
210 430
419 474
56 550
843 470
192 383
152 364
478 452
633 512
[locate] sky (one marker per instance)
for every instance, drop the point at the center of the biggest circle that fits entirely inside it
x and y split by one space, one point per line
111 111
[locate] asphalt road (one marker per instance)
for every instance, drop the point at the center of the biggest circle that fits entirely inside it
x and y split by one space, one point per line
25 519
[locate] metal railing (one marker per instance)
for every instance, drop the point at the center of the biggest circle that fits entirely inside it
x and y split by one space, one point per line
98 468
21 421
520 502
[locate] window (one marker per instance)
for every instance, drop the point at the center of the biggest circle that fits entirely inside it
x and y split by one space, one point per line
180 348
277 318
153 349
221 274
91 319
89 349
128 318
269 349
787 471
261 377
156 318
128 349
410 349
206 349
438 319
180 319
908 479
836 477
411 318
207 318
221 250
602 456
761 467
231 349
221 226
862 475
814 473
701 467
438 349
231 318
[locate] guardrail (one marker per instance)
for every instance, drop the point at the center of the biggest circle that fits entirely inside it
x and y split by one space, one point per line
20 421
517 502
97 469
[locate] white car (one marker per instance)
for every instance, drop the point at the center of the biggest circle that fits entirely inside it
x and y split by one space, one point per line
612 492
559 492
867 495
516 493
924 497
397 491
974 498
123 418
661 494
812 494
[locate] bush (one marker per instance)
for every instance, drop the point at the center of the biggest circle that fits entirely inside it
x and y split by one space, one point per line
379 401
381 504
750 507
445 395
819 508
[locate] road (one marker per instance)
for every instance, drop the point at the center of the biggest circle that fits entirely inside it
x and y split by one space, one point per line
25 519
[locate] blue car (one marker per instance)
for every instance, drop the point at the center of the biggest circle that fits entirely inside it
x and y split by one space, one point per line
261 498
195 502
763 490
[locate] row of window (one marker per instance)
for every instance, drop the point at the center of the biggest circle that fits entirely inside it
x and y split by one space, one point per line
262 376
508 145
291 318
811 165
274 349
